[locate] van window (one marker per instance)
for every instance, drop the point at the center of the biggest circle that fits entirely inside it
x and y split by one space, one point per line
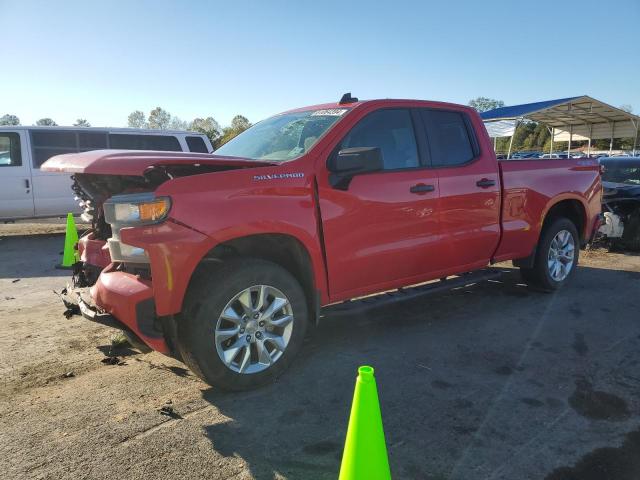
46 144
144 142
448 138
196 144
10 154
92 140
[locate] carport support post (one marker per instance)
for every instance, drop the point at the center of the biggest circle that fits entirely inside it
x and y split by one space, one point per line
570 138
590 135
553 134
635 139
613 127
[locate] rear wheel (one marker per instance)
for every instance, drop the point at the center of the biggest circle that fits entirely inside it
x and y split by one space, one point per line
631 233
243 323
556 256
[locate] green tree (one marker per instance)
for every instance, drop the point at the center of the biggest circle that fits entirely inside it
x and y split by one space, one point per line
207 126
46 122
238 125
177 124
522 133
9 120
81 122
159 119
484 104
137 119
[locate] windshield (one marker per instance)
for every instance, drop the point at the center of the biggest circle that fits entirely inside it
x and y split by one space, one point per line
283 137
617 173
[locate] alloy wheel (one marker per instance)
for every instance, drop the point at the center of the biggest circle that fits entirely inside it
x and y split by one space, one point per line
254 329
561 255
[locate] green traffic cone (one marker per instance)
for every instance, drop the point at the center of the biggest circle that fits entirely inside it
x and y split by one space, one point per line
365 451
70 254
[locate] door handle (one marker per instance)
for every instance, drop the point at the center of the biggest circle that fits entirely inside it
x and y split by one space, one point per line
485 183
422 188
27 184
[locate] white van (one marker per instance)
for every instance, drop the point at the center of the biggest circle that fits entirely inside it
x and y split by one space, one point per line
27 192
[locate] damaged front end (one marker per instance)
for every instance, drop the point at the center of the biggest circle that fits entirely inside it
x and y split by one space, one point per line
126 301
132 239
92 191
97 246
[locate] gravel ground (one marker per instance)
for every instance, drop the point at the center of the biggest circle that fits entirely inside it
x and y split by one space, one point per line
45 226
493 381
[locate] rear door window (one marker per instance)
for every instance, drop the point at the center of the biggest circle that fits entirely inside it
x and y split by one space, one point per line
10 154
449 137
196 144
125 141
46 144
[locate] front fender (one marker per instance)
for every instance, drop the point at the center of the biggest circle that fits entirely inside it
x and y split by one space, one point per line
174 252
225 206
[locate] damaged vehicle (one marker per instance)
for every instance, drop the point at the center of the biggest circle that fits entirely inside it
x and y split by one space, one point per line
226 260
621 201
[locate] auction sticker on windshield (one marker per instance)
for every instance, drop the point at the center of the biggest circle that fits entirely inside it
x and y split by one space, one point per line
335 112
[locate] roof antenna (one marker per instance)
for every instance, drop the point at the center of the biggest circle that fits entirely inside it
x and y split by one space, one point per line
347 98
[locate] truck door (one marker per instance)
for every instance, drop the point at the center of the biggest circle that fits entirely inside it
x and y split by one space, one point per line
469 188
16 192
383 230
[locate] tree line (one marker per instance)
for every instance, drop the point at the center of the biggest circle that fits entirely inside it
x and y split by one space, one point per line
532 136
160 119
529 136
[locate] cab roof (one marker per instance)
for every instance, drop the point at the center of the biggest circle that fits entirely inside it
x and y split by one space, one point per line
380 102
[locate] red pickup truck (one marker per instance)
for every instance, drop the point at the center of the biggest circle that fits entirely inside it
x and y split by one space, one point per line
224 260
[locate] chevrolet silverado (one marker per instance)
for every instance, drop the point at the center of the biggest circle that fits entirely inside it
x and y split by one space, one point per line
225 260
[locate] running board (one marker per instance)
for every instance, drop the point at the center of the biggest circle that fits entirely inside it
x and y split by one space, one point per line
361 305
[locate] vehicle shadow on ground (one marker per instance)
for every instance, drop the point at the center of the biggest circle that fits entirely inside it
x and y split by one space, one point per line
31 256
441 364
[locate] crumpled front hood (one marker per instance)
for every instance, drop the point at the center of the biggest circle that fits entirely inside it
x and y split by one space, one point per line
136 162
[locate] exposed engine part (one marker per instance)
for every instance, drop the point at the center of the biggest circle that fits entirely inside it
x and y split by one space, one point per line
613 226
84 275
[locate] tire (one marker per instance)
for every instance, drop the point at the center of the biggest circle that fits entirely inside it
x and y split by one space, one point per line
631 233
543 276
205 336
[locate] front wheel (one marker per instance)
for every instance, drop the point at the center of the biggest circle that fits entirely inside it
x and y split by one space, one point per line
556 256
243 323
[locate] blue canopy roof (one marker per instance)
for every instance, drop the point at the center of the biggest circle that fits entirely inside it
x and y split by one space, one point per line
518 111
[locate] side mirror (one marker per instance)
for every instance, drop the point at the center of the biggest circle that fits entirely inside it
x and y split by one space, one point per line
350 162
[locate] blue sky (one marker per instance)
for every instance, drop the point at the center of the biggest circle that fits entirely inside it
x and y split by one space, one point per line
102 60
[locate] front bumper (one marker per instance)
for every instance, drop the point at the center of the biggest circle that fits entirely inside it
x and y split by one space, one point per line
129 299
144 306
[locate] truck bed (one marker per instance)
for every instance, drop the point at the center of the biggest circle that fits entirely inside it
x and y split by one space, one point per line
528 187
